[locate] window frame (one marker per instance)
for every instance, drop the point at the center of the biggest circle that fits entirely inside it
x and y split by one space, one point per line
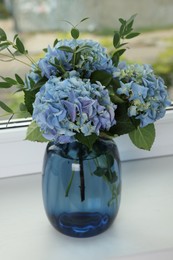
19 156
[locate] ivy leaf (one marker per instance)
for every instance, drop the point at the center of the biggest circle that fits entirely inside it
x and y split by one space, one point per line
102 76
20 46
3 36
86 140
75 33
144 137
34 133
6 108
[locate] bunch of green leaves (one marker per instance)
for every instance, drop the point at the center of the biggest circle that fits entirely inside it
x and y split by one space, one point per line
10 51
125 33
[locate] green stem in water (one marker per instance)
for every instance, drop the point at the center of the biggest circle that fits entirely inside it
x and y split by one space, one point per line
82 178
69 184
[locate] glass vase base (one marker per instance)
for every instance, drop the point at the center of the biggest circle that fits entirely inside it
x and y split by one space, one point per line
81 224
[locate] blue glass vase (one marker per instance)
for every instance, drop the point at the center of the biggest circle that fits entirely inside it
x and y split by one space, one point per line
81 187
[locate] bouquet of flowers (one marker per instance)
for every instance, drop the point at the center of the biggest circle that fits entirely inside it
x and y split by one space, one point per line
77 91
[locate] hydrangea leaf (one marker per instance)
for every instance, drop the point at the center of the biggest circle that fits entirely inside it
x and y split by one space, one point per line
123 124
102 76
144 137
87 140
34 133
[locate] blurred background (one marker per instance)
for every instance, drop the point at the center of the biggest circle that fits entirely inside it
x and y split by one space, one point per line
39 22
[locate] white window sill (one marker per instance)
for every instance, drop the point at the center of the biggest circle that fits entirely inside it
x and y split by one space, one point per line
19 157
143 225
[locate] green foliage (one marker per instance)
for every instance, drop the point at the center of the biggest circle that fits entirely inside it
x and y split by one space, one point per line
75 33
6 108
29 98
143 138
34 133
125 32
86 140
102 76
3 36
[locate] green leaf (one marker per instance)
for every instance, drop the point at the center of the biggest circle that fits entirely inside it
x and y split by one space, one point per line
20 46
102 76
84 19
55 42
115 59
129 27
19 79
15 37
29 98
22 107
122 21
5 85
9 80
132 35
131 19
3 36
144 137
6 108
34 133
123 124
86 140
116 39
75 33
100 171
65 48
45 49
83 48
120 52
111 176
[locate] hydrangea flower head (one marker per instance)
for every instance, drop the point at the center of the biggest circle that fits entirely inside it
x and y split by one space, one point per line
63 108
91 56
146 93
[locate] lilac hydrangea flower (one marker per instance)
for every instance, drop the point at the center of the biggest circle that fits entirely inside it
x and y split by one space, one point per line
63 108
146 93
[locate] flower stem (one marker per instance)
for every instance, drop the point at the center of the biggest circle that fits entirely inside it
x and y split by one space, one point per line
82 178
69 185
